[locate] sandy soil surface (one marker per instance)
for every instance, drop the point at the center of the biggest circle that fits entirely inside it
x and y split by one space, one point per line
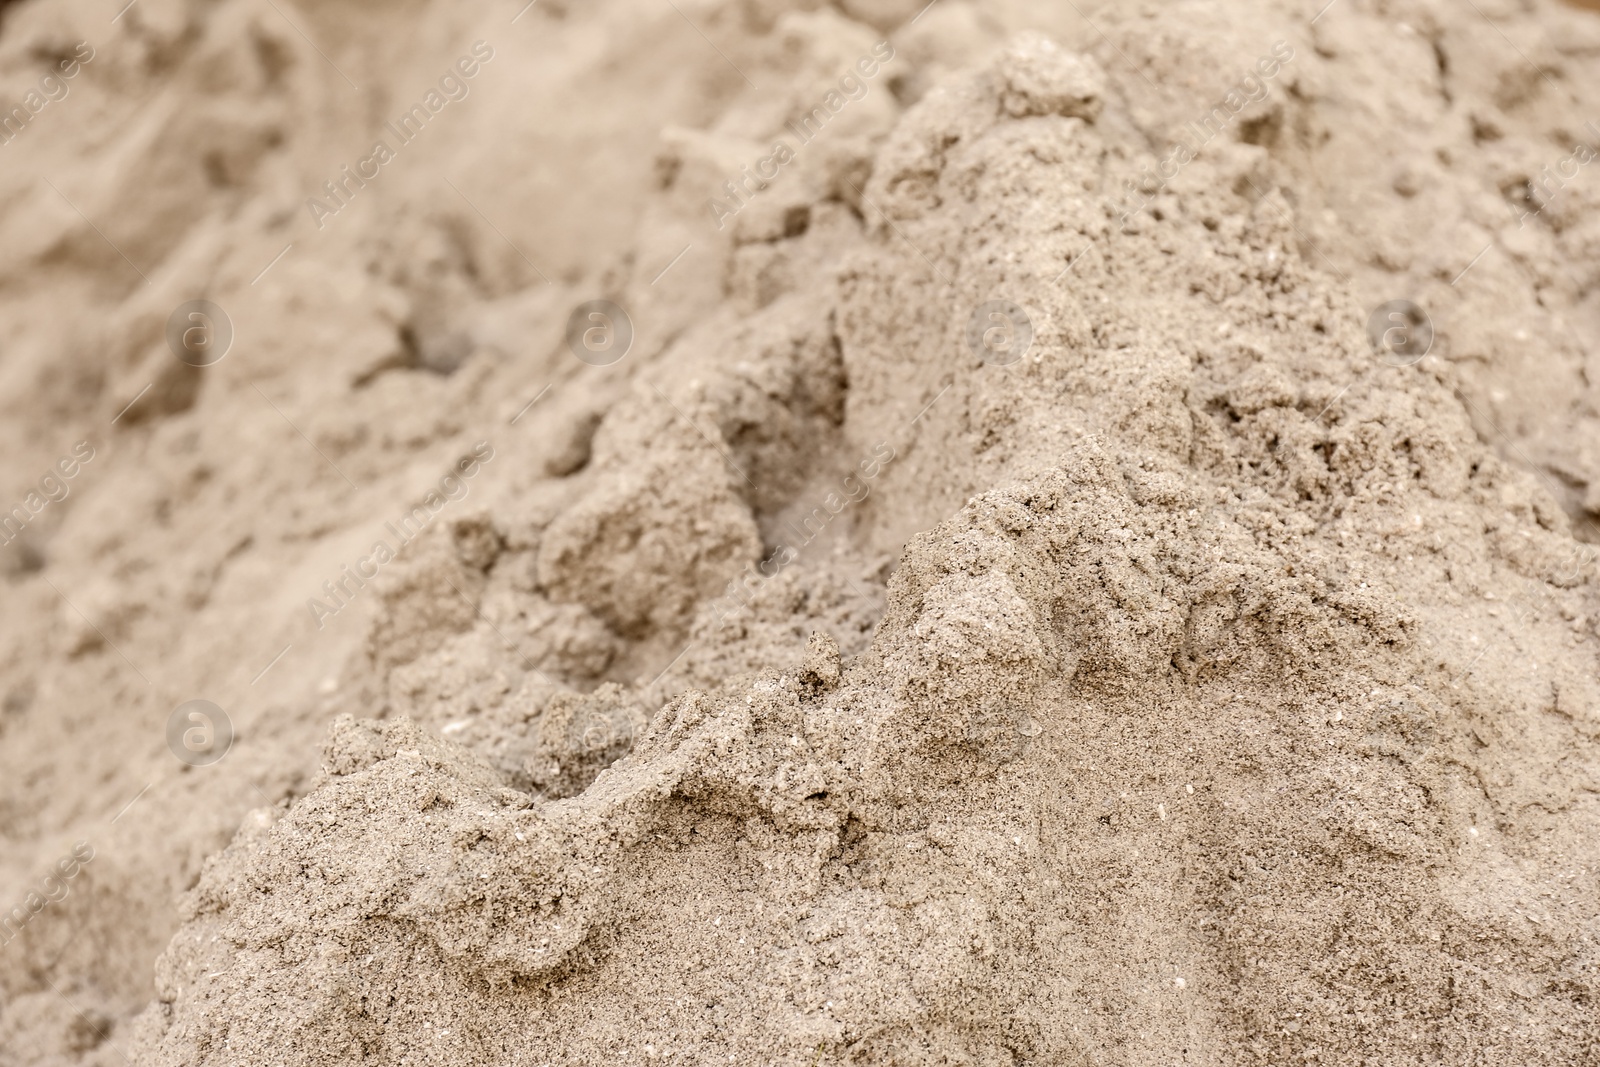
746 531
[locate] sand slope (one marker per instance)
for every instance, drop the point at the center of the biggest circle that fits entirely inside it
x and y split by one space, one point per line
809 685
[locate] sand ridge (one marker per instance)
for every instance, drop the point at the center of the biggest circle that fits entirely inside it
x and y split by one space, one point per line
1195 683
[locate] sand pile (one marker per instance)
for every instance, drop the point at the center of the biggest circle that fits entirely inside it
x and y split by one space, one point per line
975 593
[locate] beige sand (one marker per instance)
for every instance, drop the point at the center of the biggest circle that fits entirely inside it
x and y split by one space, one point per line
828 679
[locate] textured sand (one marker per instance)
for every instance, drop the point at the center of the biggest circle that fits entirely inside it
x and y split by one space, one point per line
810 684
